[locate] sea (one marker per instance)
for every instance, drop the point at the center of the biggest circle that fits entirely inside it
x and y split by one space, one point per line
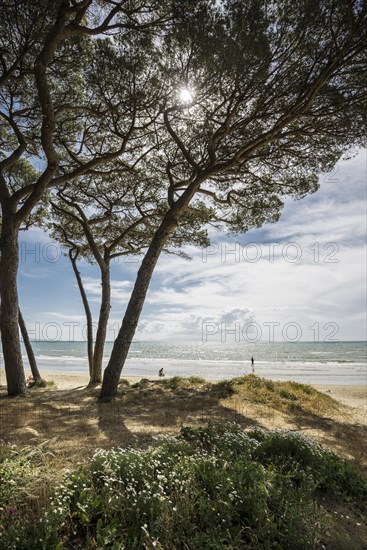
307 362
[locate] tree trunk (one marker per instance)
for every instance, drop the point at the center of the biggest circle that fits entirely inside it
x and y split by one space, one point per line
88 313
9 306
28 346
130 321
131 318
104 314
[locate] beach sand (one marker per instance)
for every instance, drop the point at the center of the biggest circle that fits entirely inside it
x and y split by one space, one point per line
72 380
352 396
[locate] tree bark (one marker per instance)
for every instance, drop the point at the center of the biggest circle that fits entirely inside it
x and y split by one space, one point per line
104 314
28 346
88 313
9 305
126 333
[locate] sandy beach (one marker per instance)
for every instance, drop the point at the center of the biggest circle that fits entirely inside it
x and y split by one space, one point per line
73 380
352 396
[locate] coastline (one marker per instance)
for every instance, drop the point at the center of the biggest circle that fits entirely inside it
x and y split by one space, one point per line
312 363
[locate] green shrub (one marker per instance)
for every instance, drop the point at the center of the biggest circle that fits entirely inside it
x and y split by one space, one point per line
177 495
213 487
291 451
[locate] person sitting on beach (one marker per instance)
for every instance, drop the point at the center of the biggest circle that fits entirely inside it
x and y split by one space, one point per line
161 373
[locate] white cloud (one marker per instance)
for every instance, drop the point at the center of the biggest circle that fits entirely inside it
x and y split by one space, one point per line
326 283
120 290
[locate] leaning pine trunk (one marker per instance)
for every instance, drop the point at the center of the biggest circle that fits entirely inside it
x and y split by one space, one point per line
28 346
96 376
9 307
87 311
130 322
129 325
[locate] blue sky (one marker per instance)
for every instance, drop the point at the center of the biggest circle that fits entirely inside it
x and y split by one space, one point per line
302 278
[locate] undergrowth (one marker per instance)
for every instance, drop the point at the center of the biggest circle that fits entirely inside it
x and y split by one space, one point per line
214 487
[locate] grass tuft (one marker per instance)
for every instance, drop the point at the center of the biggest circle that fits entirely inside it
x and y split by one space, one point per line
180 382
41 383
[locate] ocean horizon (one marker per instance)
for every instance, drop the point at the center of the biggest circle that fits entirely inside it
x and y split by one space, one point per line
306 362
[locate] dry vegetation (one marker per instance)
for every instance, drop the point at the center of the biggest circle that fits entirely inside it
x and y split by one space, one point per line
73 423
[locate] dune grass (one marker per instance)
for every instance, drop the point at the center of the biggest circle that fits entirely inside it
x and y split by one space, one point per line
281 396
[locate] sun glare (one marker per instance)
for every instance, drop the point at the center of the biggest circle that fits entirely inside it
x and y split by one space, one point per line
185 95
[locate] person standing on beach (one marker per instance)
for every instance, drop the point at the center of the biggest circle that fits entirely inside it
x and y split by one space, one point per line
253 365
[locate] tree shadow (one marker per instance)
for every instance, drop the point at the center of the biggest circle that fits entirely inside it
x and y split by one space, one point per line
345 438
67 420
160 406
75 423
